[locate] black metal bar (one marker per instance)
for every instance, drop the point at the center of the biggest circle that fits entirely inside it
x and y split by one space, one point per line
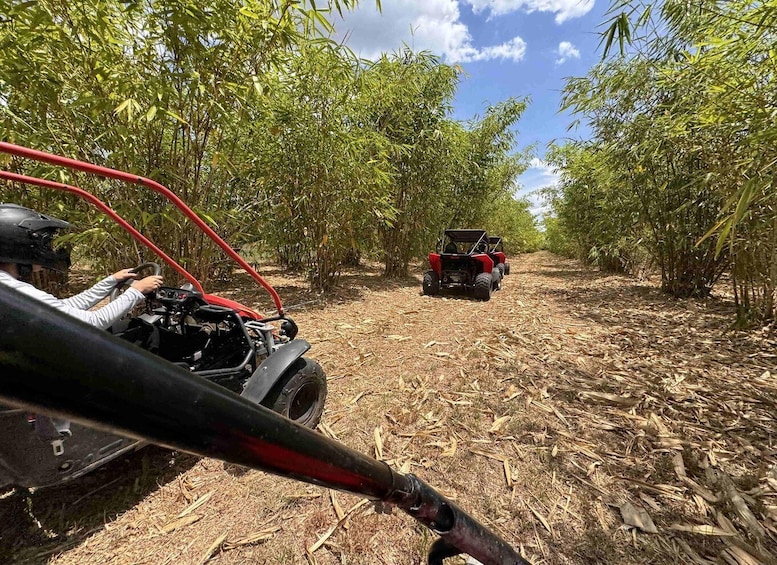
53 363
441 550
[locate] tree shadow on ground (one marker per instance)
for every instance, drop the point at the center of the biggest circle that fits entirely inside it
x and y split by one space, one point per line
38 524
647 308
575 274
295 293
650 384
604 298
459 293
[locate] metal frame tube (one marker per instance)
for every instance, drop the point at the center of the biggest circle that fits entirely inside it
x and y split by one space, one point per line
106 172
97 203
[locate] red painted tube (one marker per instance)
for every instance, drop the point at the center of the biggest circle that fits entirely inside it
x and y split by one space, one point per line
98 170
14 177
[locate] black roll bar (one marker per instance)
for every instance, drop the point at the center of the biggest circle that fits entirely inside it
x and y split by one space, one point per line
50 362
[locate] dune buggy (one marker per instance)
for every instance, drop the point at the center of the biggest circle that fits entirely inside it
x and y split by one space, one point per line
216 338
462 261
496 250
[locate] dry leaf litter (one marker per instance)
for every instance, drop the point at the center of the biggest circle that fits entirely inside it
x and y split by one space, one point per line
584 417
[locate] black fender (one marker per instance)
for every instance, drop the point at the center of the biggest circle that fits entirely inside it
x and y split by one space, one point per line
272 368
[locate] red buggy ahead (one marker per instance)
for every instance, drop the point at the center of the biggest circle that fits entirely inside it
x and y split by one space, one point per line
462 261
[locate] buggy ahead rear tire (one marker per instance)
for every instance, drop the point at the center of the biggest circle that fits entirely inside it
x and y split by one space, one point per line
483 284
431 284
300 393
496 279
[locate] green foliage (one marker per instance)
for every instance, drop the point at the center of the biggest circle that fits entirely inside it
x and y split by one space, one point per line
320 178
598 225
280 139
482 178
556 239
512 220
687 123
161 88
409 109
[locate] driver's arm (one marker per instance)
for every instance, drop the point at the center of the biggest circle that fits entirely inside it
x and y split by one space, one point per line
101 318
105 316
91 296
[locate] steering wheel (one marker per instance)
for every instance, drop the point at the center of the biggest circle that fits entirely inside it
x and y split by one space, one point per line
155 270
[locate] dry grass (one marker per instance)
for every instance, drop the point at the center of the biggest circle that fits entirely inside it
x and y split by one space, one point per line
574 413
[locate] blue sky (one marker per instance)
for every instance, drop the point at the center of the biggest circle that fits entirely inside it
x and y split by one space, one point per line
507 48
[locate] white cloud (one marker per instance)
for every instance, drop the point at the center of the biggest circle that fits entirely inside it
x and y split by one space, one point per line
513 50
432 25
539 175
564 9
566 51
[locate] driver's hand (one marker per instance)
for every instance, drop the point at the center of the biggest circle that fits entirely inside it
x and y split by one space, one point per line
124 274
148 284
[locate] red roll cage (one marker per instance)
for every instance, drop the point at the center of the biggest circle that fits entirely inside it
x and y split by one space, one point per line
106 172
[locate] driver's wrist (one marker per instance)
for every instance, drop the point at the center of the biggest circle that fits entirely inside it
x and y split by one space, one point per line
136 292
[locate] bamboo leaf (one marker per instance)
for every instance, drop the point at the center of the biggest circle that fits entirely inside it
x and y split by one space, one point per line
122 107
498 424
176 117
702 529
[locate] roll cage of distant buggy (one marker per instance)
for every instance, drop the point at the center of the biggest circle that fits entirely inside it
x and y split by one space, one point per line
462 261
213 337
496 250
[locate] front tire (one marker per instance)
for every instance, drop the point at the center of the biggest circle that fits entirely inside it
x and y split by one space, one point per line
431 284
507 268
300 393
483 284
502 269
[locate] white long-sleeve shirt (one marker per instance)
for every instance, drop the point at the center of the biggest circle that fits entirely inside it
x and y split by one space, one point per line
78 305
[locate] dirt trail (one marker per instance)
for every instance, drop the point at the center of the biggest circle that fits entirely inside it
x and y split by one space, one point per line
573 413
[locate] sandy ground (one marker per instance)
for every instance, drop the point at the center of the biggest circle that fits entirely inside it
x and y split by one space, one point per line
584 417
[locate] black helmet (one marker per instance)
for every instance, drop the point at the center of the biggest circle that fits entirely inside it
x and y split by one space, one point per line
26 238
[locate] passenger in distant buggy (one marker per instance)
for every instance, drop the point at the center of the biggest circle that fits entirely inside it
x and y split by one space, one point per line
26 247
451 247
